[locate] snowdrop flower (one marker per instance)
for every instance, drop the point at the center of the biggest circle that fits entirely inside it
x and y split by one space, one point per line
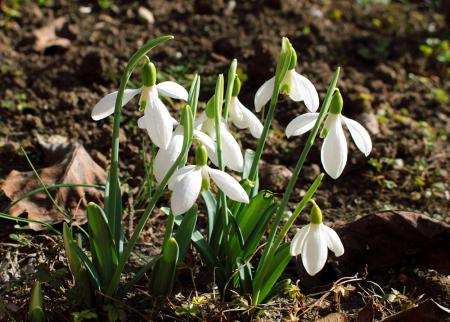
313 242
231 151
159 123
188 181
334 148
241 116
298 87
165 158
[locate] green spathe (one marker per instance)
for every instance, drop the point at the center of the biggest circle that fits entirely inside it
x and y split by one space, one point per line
148 72
315 217
236 86
210 108
336 102
293 60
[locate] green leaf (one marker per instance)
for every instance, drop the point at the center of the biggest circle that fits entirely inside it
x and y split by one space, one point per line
276 267
104 254
277 289
36 307
245 275
164 272
184 232
211 205
81 277
9 217
137 277
88 265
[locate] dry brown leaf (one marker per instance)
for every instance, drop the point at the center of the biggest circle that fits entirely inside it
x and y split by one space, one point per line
73 166
46 36
334 317
428 311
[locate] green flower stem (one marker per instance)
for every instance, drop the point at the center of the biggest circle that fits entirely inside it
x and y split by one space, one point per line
230 84
115 217
270 248
188 130
218 101
282 67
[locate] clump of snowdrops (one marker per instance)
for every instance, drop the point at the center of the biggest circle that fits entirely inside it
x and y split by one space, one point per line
242 220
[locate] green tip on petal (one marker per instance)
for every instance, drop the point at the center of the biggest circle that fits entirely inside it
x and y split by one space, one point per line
293 61
201 156
336 102
236 86
210 108
315 216
148 72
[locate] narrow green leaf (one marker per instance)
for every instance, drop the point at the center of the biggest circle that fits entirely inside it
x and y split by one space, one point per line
276 267
36 307
9 217
211 205
104 254
137 277
184 232
277 289
245 276
89 266
164 272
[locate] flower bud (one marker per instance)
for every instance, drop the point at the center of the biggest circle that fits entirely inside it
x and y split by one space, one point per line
336 102
148 73
201 156
236 86
210 108
315 216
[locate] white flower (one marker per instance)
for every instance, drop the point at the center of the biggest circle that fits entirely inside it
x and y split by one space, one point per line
313 242
334 149
299 89
241 116
157 119
165 158
231 151
187 183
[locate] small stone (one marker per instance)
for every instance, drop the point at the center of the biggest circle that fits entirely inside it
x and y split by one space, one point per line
311 172
147 15
370 122
274 177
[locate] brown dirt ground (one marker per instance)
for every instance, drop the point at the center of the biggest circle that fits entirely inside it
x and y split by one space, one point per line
387 83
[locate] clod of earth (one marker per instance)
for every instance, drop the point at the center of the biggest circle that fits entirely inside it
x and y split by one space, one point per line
70 164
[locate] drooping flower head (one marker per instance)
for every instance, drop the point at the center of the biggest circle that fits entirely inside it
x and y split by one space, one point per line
313 242
241 116
296 86
334 149
231 151
156 119
187 182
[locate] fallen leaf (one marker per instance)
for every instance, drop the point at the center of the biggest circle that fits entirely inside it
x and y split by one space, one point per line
334 317
428 311
69 164
369 313
385 239
46 37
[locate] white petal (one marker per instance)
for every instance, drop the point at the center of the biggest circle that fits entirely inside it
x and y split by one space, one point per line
295 89
228 185
333 241
298 241
301 124
186 192
231 151
334 149
206 141
359 135
209 127
179 174
307 91
158 122
254 124
314 251
264 94
199 120
172 89
165 158
105 107
236 115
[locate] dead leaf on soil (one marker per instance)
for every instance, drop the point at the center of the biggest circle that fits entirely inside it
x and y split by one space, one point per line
334 317
46 36
385 239
428 310
69 164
